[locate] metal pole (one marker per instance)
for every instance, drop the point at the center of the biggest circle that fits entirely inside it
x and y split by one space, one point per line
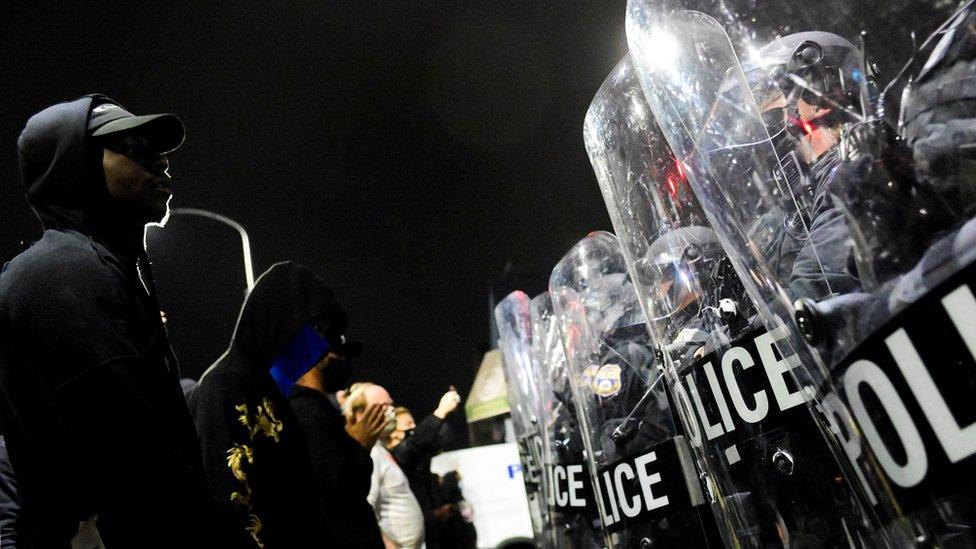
245 241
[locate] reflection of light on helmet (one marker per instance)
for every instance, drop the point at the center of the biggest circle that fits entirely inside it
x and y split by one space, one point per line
676 290
807 127
584 270
573 335
674 179
685 281
523 380
755 57
665 47
672 187
637 108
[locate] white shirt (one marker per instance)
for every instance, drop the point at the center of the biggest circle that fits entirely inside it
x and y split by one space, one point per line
397 510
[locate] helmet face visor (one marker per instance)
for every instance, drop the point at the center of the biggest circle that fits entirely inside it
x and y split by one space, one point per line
678 288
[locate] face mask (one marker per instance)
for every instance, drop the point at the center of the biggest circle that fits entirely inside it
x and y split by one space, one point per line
336 373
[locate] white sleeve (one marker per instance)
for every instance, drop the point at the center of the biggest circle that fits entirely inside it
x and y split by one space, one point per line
374 480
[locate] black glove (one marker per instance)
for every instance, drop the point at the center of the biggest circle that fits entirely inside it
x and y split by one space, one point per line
893 218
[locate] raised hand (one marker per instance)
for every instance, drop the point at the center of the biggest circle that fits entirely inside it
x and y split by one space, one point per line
449 402
367 430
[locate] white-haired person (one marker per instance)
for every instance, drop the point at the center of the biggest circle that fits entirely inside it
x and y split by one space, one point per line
399 515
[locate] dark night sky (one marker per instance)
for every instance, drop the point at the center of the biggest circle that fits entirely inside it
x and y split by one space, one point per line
411 152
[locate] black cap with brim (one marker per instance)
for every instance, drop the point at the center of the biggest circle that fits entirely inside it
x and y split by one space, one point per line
165 132
349 349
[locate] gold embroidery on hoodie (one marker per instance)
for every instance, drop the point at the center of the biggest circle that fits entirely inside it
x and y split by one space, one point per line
262 424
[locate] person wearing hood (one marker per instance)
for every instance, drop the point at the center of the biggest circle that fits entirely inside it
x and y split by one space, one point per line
98 432
339 450
255 454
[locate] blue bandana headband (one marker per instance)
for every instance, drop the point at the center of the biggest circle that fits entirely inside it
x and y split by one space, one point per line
304 351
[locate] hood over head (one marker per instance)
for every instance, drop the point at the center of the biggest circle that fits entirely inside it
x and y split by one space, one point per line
61 168
284 299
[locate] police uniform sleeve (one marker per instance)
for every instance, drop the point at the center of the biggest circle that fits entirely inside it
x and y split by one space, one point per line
822 266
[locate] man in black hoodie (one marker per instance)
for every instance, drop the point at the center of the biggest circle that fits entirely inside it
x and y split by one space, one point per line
254 451
342 468
95 421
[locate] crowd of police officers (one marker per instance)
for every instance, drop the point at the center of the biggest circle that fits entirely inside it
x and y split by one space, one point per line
777 347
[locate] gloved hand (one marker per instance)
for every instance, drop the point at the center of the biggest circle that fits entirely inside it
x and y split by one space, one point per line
893 218
945 160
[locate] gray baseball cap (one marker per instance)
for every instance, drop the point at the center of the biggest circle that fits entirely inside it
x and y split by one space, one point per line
165 132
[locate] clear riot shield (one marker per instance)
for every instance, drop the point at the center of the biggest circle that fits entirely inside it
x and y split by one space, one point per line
574 519
645 476
852 238
773 476
513 316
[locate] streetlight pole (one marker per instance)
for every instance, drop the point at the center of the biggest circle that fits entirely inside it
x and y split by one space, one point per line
245 241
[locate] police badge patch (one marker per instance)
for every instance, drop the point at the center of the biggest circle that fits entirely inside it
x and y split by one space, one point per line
585 379
606 382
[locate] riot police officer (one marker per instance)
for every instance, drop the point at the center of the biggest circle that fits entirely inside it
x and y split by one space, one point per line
771 472
891 365
574 520
513 318
938 114
809 85
620 395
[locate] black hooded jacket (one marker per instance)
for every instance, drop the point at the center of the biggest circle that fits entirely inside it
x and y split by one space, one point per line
91 405
254 453
341 468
